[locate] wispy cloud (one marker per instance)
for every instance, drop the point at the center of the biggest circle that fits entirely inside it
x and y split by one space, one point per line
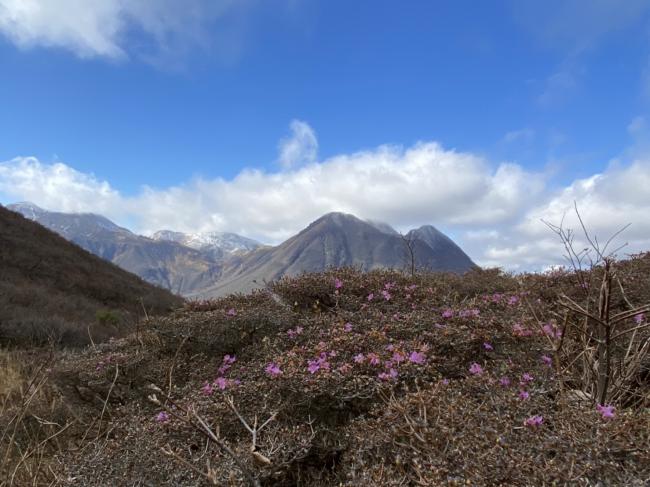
105 28
494 209
301 147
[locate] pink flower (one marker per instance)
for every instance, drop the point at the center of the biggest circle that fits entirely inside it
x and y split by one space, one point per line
547 360
273 369
221 383
386 295
638 319
607 412
504 381
476 369
445 381
417 358
359 358
390 347
447 313
338 284
524 395
371 296
487 346
232 312
551 330
526 378
374 358
348 327
344 368
207 389
313 366
534 421
513 300
229 359
390 375
398 357
162 417
294 333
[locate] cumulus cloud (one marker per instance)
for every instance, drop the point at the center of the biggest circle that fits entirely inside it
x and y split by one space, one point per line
300 147
494 211
101 28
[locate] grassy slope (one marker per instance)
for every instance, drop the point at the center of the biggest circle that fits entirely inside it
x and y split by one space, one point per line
51 288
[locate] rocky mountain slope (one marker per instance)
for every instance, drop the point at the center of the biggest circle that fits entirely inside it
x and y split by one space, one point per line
216 245
337 240
168 264
51 289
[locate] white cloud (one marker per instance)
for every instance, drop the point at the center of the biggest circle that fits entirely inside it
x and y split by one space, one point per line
101 28
300 147
495 210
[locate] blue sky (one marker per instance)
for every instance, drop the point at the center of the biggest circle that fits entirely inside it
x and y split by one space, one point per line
148 101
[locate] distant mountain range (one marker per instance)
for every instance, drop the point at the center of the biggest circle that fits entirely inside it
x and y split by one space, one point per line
217 263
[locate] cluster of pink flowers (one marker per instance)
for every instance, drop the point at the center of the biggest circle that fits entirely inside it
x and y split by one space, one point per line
468 313
321 363
520 331
221 382
293 333
475 369
338 283
273 369
386 295
534 421
551 330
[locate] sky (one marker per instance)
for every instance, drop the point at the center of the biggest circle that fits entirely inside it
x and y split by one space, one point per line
482 118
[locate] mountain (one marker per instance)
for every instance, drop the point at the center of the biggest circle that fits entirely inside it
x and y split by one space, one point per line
336 240
165 263
216 245
51 289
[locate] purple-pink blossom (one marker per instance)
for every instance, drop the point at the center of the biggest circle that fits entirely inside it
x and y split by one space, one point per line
526 378
386 295
273 369
547 360
524 395
607 412
488 346
551 330
359 358
347 327
162 417
391 374
534 421
638 319
398 357
417 358
207 389
504 381
371 296
231 312
338 284
447 313
221 382
374 358
476 369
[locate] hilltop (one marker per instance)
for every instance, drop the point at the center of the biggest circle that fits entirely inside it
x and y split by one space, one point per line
53 290
365 379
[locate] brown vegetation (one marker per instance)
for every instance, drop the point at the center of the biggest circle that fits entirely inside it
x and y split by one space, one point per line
53 291
311 397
